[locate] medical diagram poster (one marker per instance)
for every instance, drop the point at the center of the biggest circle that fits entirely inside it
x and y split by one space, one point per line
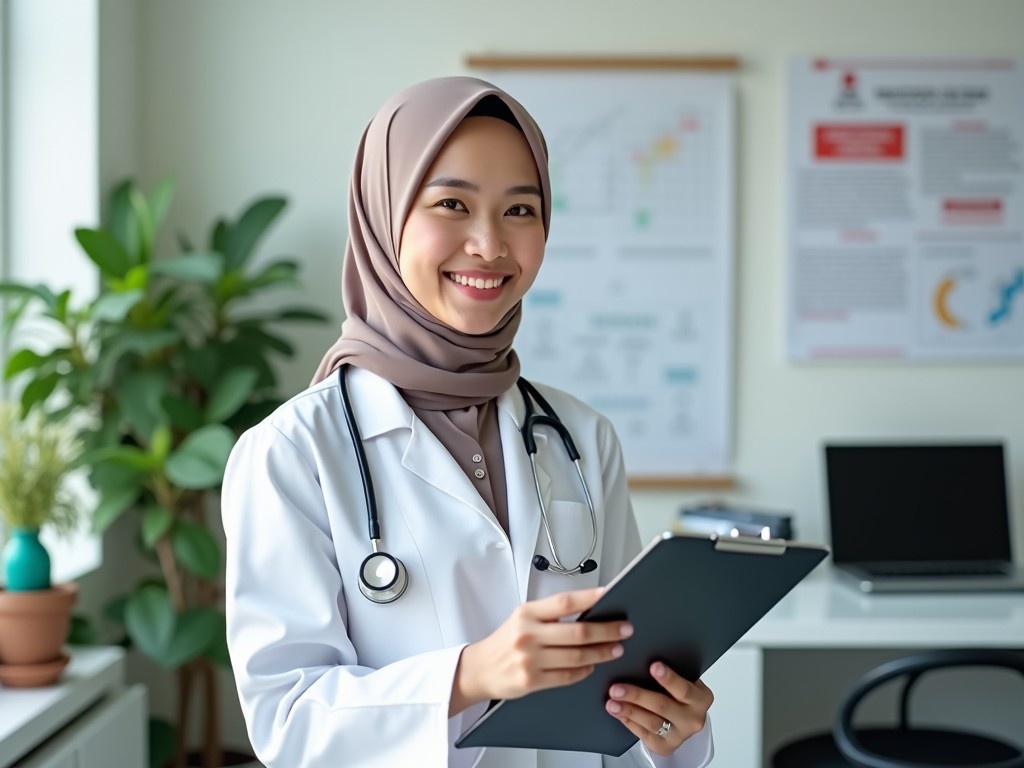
906 209
632 309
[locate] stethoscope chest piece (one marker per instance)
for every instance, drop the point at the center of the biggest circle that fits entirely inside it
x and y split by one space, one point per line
382 578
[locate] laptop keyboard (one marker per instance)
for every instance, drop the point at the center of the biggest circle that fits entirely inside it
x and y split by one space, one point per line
938 569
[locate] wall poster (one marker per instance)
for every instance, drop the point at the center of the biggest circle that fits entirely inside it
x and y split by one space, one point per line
633 308
906 209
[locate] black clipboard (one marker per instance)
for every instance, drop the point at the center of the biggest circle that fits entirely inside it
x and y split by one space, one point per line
689 598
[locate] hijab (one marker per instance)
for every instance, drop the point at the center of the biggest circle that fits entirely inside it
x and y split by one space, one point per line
386 330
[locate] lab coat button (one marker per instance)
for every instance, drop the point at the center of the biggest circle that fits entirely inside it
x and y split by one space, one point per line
480 474
500 545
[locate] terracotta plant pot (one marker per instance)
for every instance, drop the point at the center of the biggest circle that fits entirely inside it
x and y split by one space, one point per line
34 625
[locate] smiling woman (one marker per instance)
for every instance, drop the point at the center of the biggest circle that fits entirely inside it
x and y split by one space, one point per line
473 241
449 213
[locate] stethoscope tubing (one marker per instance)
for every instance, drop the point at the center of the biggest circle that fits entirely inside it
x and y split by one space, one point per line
396 586
550 419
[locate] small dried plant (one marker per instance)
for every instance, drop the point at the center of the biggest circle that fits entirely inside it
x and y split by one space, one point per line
36 456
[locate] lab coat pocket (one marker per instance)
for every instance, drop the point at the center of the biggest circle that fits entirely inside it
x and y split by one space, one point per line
572 532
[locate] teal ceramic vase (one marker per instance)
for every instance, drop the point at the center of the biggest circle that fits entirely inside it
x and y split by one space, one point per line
26 563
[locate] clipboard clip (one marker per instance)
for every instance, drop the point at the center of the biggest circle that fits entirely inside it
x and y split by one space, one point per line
749 544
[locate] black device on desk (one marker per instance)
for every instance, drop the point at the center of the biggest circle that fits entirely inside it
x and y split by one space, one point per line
921 517
689 599
728 520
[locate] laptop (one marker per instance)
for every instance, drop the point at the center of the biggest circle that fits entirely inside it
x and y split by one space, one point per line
920 517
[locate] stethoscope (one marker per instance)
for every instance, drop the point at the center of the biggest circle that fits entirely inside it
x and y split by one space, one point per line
383 578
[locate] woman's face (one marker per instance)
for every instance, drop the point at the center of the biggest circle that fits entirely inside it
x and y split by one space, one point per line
474 238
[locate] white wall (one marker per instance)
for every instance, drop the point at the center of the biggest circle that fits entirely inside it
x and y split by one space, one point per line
239 97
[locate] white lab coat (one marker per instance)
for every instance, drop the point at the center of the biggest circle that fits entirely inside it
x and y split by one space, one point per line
327 678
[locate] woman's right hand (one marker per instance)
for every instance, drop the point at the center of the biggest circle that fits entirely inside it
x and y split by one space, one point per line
533 649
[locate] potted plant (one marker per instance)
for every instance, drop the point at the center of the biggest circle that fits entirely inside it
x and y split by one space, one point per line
172 360
35 459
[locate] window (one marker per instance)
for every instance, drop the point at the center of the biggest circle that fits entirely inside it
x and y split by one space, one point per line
49 170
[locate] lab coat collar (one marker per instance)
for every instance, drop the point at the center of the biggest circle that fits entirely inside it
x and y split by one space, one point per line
377 404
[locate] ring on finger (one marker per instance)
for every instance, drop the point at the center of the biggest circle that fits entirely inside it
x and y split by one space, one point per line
666 726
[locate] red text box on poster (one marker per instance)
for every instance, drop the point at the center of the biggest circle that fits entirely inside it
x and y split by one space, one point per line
859 142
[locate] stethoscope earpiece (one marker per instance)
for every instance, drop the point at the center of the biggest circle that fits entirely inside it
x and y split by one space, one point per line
541 563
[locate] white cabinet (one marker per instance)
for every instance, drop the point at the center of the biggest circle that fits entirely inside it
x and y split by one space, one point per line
88 720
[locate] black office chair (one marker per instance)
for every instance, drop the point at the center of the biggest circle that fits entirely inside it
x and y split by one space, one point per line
904 746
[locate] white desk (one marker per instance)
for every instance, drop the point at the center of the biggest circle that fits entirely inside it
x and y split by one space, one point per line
824 613
89 719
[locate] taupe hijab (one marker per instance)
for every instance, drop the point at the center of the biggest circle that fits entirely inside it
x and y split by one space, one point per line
386 330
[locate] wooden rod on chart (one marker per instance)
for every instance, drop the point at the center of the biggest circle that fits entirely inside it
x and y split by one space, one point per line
603 62
695 482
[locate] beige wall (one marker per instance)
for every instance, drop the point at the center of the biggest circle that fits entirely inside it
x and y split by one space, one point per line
240 97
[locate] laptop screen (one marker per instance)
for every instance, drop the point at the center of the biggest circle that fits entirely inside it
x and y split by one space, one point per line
917 503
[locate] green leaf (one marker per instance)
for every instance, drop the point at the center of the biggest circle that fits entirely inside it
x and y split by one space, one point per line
122 222
230 393
283 272
105 251
168 638
250 228
108 476
220 235
60 309
37 390
23 360
204 364
163 741
122 455
160 201
41 292
156 522
253 413
139 396
199 461
160 442
245 352
114 307
217 652
82 631
137 278
260 338
139 342
193 267
194 632
196 549
184 414
300 314
112 506
13 314
149 619
114 610
144 222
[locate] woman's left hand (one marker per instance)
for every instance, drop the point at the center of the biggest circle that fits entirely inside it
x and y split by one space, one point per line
661 720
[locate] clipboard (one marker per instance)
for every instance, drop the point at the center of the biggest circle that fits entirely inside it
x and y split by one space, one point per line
690 598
